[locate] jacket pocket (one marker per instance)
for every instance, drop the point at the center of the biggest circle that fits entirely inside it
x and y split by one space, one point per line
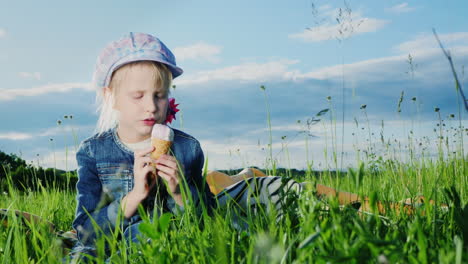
116 179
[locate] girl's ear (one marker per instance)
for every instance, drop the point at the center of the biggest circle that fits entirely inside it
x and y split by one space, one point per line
107 92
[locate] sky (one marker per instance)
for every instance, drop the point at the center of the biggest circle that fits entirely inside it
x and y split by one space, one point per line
307 55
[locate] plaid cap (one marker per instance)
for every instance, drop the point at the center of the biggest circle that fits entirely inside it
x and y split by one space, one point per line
129 48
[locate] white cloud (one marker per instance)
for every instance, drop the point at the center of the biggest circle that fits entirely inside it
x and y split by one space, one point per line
11 94
2 32
327 28
327 32
325 7
400 8
64 129
431 67
372 70
200 51
35 75
15 136
427 42
258 72
63 159
50 132
295 127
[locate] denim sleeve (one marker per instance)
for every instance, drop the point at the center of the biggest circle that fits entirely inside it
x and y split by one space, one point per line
174 207
90 198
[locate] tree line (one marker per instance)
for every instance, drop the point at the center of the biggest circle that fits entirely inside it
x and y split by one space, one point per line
16 173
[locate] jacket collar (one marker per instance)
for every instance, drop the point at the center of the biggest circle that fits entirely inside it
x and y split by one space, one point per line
119 143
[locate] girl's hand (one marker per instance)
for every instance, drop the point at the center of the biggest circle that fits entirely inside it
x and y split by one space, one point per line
143 173
166 168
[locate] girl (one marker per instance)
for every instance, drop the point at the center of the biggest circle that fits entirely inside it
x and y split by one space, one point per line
132 78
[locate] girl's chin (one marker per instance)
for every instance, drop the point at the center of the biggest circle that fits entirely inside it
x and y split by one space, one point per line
142 130
146 130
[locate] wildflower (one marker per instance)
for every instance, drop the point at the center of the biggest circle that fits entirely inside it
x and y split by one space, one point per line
437 109
59 122
363 106
329 98
171 112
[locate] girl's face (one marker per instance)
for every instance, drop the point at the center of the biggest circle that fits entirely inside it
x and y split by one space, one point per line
140 103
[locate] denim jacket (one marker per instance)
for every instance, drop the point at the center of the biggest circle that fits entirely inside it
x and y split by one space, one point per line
105 176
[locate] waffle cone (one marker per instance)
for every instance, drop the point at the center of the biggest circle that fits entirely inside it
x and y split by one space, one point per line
161 147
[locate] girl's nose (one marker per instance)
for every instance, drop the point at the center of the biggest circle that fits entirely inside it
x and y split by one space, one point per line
151 105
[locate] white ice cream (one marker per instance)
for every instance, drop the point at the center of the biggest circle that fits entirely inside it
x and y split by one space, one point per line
162 132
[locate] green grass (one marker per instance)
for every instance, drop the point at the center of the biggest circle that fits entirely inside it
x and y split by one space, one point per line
316 235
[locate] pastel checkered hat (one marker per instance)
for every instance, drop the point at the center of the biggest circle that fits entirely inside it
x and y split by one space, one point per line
129 48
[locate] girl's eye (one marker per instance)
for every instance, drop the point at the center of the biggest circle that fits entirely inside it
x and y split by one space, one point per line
137 96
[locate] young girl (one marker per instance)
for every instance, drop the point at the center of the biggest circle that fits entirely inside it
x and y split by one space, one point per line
132 77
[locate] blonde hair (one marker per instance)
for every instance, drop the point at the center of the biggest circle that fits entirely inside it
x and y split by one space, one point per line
108 116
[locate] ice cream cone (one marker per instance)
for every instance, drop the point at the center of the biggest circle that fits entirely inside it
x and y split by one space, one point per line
160 147
161 138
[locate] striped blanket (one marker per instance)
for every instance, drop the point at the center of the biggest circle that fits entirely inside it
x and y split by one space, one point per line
259 195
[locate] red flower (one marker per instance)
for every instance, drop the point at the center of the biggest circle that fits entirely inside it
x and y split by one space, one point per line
171 111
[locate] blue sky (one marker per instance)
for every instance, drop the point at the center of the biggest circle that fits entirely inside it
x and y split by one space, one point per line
228 49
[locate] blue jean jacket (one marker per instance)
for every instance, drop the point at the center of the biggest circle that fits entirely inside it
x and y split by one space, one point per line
105 176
